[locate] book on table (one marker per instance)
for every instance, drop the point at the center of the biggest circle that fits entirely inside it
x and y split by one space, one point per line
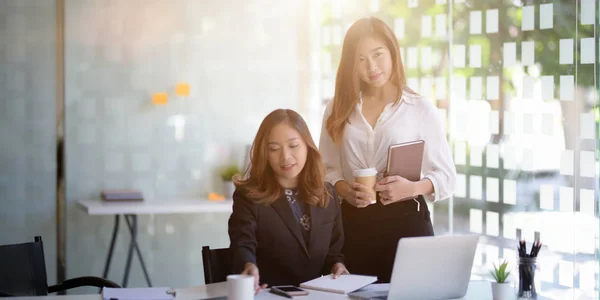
122 195
344 284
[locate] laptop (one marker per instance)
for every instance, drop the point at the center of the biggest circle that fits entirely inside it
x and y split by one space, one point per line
434 267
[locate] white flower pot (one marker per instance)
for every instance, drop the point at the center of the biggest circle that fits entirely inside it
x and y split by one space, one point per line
228 189
502 291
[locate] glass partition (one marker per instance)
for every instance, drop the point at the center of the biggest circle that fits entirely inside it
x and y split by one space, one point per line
515 82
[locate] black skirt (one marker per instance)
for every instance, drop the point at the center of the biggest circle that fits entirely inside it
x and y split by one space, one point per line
372 234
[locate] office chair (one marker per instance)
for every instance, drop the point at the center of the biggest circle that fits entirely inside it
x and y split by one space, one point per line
23 272
217 264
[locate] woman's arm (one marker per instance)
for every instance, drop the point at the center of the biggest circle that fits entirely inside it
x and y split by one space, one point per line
353 193
423 187
438 167
242 232
330 152
342 187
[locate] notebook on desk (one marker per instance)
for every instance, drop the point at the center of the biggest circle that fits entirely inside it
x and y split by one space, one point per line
342 285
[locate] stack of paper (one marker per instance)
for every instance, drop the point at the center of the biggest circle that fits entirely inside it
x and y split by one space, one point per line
342 285
157 293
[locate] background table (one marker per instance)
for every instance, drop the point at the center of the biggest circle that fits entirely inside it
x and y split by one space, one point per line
131 209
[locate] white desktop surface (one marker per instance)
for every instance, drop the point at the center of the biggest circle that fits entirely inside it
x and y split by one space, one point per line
478 290
67 297
167 206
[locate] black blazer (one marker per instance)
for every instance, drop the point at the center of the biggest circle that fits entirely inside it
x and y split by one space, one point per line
271 238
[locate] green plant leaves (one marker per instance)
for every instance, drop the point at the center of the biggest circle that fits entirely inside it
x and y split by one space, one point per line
501 273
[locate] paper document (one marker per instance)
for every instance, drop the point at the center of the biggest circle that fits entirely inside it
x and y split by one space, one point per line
342 285
157 293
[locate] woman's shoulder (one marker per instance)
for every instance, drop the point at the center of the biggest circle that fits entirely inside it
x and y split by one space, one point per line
418 101
329 107
241 194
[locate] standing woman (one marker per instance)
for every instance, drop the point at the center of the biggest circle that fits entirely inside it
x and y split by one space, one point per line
372 109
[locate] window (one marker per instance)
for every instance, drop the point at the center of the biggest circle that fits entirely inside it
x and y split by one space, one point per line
516 83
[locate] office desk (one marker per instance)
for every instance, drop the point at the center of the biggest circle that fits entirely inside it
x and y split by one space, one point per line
130 211
478 290
67 297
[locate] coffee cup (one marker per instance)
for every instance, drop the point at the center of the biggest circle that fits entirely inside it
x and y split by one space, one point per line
240 287
367 177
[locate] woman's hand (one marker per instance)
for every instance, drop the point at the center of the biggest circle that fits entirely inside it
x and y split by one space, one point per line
252 269
358 195
395 188
338 269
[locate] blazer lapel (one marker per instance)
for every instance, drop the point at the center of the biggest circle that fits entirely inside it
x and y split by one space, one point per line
285 212
315 218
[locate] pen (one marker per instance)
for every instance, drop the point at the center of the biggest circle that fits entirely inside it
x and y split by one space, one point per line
533 248
537 248
280 293
520 248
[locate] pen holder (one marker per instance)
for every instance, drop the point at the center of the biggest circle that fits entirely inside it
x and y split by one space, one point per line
527 266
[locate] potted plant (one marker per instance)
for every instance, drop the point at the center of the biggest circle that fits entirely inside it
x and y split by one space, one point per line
501 287
227 175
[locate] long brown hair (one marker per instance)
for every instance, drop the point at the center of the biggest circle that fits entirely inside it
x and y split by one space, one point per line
261 184
347 86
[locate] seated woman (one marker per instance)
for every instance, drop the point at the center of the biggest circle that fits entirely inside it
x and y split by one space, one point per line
286 220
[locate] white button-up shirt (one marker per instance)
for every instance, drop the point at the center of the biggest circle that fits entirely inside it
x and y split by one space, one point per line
412 118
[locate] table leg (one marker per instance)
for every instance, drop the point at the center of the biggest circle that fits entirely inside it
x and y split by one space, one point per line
133 231
112 246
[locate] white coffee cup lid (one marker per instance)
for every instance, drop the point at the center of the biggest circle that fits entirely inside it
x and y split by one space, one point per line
364 172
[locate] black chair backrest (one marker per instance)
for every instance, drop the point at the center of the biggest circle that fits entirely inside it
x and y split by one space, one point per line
217 264
23 269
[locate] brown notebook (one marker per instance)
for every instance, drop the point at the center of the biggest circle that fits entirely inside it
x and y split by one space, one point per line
405 160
